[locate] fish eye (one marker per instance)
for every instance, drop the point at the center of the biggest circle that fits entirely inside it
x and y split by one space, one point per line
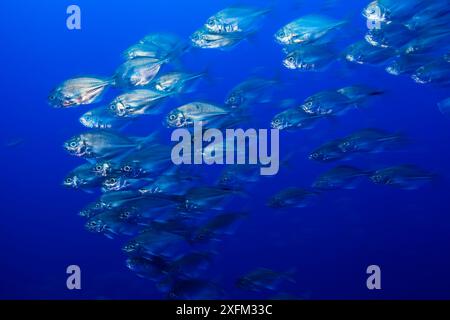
276 121
52 97
127 168
99 168
281 33
211 22
172 117
69 180
73 144
291 59
112 180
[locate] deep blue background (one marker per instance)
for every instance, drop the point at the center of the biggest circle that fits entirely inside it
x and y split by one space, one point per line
330 244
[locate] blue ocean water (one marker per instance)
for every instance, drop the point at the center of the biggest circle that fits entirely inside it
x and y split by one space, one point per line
329 244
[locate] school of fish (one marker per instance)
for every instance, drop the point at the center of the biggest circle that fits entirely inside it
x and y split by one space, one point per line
172 218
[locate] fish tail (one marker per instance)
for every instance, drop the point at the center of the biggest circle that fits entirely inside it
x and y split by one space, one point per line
111 81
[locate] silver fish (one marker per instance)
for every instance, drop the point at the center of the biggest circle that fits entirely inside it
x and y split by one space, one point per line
294 118
78 91
390 36
99 144
370 140
83 179
173 181
358 95
429 42
433 16
158 46
138 72
186 115
327 103
408 177
147 161
136 103
204 198
207 40
437 71
147 268
363 53
175 82
157 243
341 177
253 90
292 198
237 177
236 19
102 118
309 58
328 152
387 11
115 222
307 30
406 64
